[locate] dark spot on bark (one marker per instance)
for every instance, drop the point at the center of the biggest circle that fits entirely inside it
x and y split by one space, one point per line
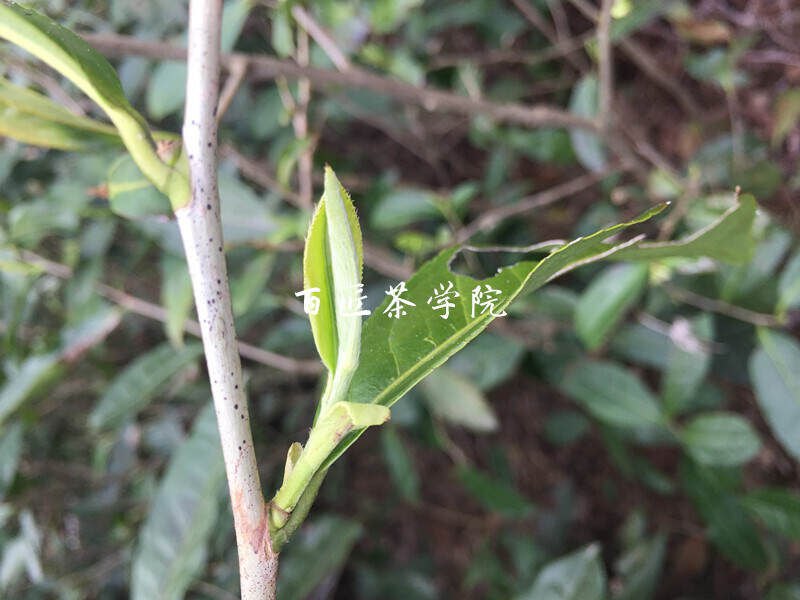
242 416
236 387
209 144
240 448
220 248
236 406
208 207
218 281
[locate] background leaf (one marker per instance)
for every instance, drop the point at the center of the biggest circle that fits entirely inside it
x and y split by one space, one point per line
319 551
400 465
173 539
777 508
612 394
577 576
721 439
494 495
604 303
775 371
454 399
134 387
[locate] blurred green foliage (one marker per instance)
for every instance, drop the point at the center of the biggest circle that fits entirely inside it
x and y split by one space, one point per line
606 427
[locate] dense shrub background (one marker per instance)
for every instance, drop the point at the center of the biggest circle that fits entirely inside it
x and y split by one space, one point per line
530 464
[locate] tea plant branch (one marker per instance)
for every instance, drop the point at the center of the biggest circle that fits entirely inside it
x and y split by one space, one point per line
201 231
265 68
491 218
155 312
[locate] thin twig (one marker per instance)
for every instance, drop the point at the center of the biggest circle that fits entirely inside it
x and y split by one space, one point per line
236 76
265 68
491 218
155 312
319 35
643 59
530 59
721 307
201 231
300 126
534 18
605 66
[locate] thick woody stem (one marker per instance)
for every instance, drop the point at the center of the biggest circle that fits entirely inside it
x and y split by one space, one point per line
201 231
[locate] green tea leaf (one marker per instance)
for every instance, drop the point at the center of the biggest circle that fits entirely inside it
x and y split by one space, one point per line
577 576
727 239
35 104
10 451
789 286
564 427
720 439
71 56
166 92
604 303
172 544
332 266
34 376
612 394
784 591
687 364
640 569
131 194
33 118
404 350
777 508
320 550
135 386
400 465
34 130
494 495
729 526
587 145
775 371
455 399
176 296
